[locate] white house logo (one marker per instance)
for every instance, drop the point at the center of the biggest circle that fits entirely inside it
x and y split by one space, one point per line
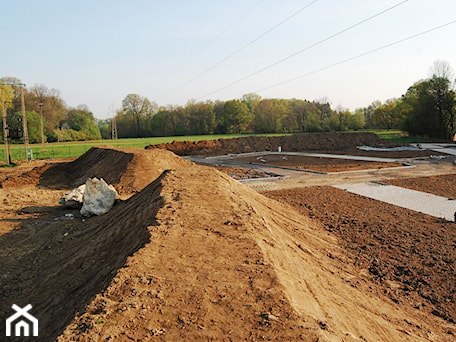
21 322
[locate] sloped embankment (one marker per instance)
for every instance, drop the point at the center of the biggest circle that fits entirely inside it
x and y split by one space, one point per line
58 265
129 170
225 263
290 143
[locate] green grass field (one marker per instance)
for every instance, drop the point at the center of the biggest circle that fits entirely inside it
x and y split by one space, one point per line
77 148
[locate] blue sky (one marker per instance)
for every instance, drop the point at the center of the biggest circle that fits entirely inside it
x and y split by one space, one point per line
98 51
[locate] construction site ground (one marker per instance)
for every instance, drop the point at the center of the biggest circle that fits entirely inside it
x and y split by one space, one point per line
192 254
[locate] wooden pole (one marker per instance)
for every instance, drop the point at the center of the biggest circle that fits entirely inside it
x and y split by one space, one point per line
5 129
41 104
24 123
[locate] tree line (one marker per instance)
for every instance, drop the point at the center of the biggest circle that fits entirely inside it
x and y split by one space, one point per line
60 122
426 109
139 117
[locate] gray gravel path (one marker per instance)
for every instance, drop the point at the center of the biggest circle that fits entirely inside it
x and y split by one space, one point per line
423 202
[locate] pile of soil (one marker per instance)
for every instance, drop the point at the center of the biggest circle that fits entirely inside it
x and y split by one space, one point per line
412 255
129 170
196 255
58 264
291 143
224 262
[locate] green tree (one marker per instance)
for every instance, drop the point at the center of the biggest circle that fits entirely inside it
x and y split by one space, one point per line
269 116
220 122
357 120
33 126
432 108
236 116
369 113
341 119
6 103
302 116
41 99
201 117
383 116
6 97
139 110
105 128
251 100
82 122
164 123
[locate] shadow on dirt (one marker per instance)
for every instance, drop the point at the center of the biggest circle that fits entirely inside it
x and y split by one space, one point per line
58 266
103 163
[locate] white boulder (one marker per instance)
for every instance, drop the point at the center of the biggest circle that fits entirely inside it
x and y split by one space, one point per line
73 199
98 197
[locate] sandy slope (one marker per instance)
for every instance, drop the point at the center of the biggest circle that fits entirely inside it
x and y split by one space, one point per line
193 255
226 263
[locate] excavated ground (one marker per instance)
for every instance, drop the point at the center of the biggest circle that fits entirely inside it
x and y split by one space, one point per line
410 255
291 143
314 163
195 255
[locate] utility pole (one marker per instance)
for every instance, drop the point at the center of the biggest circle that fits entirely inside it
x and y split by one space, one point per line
41 104
5 129
24 122
114 128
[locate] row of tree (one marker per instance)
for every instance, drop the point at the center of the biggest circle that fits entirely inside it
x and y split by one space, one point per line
141 118
60 122
426 109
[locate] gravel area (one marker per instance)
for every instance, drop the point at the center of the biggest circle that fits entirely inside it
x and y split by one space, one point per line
438 206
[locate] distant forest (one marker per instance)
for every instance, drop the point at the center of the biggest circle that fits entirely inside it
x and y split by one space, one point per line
426 109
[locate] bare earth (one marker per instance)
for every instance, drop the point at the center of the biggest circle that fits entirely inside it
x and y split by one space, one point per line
314 163
192 254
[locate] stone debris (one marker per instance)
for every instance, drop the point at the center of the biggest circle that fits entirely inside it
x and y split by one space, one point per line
73 199
98 197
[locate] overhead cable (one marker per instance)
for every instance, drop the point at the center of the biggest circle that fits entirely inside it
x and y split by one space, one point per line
244 46
305 49
359 55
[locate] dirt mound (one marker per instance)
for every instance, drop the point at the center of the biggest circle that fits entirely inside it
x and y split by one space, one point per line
224 262
196 255
129 170
292 143
58 264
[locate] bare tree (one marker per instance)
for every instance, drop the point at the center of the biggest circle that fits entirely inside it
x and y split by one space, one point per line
442 69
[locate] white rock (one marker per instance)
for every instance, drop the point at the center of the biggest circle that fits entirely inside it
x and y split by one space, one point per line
73 199
98 198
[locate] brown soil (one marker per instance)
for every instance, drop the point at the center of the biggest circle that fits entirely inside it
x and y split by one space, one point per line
250 270
195 255
129 170
292 143
314 163
243 173
411 256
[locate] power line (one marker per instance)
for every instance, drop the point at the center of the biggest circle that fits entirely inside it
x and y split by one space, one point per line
227 28
305 49
232 24
359 56
243 47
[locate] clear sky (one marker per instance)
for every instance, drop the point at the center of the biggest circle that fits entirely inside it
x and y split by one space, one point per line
98 51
